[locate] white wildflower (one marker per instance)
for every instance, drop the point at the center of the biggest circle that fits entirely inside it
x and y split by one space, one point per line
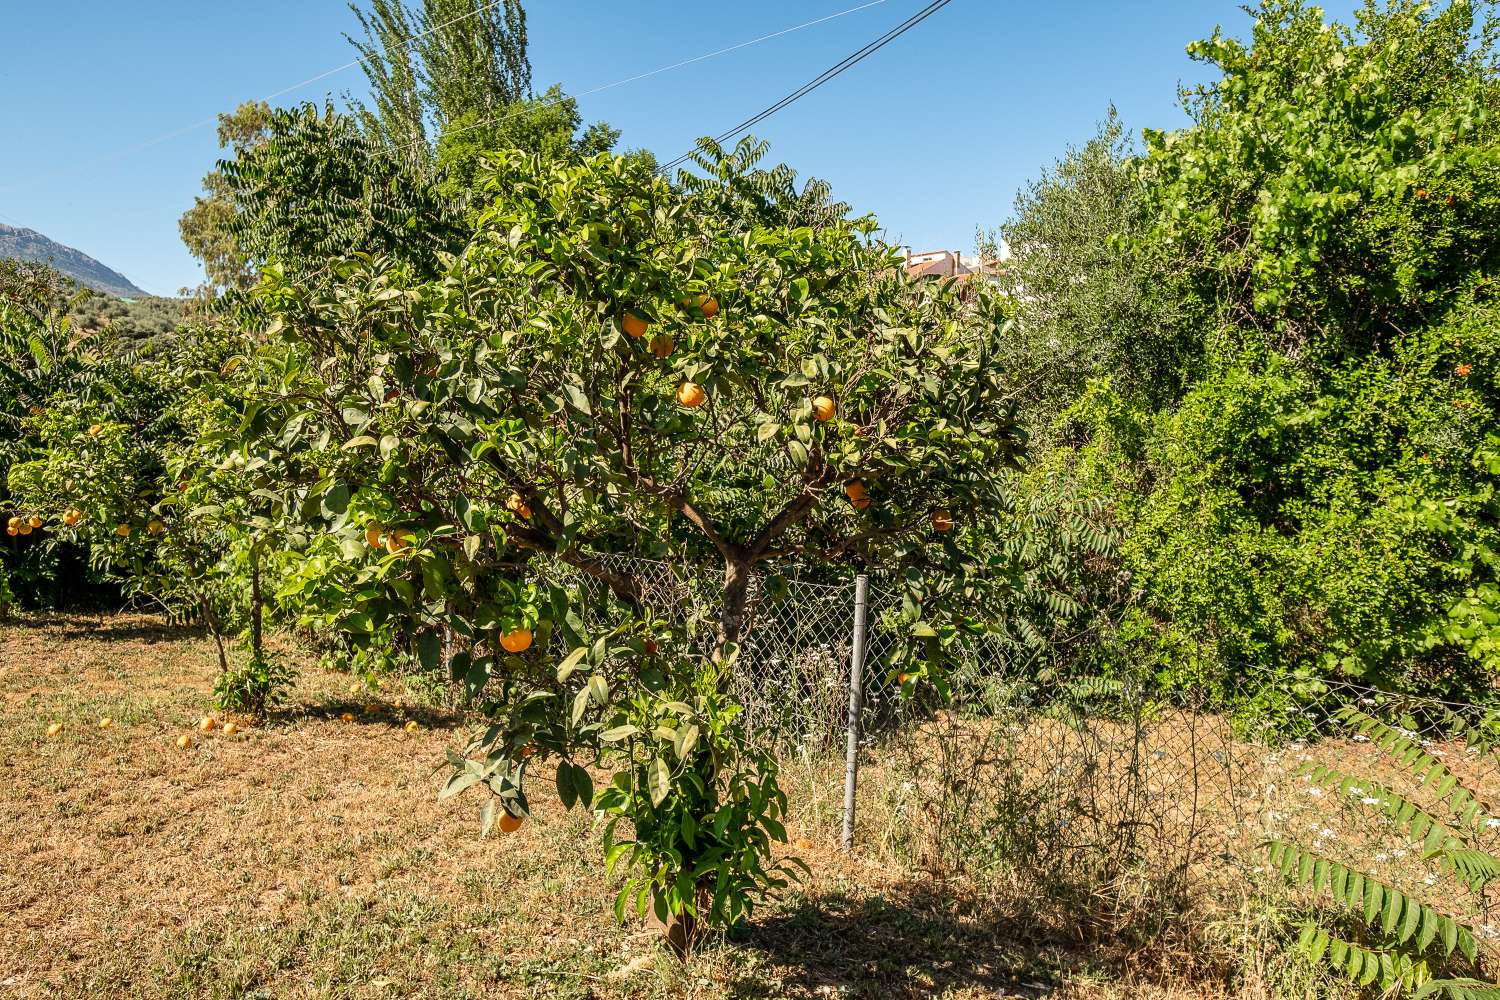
1369 801
1492 823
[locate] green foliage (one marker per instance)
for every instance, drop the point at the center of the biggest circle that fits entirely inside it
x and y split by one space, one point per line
253 688
1089 301
315 186
444 63
207 229
143 326
1272 334
1337 185
703 807
1404 943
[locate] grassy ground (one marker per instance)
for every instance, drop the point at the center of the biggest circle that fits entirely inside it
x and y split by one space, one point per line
310 857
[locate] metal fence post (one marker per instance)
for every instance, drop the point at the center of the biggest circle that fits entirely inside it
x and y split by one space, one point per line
856 699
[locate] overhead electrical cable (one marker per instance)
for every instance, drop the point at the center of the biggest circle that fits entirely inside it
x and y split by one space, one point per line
833 71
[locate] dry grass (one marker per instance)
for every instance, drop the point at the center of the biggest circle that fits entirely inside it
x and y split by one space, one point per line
310 857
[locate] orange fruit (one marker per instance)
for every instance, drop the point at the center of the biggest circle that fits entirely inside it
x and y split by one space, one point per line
374 537
207 723
399 540
824 408
184 742
106 722
510 823
690 395
662 345
942 521
706 304
123 530
517 506
33 521
72 516
346 717
96 429
516 640
902 678
633 325
857 494
25 528
230 729
55 729
156 527
412 726
371 708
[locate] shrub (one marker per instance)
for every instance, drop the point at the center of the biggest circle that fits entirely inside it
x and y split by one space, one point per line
1380 932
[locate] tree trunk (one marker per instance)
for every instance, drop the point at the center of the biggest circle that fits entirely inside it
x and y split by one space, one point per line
214 630
737 578
255 603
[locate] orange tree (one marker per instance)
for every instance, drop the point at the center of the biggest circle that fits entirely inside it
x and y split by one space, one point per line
130 464
617 364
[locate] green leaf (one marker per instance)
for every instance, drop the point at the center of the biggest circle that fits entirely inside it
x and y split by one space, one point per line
566 668
619 733
565 789
658 780
487 817
685 740
459 782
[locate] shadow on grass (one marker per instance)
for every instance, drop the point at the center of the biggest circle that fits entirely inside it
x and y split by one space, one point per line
108 627
911 941
385 715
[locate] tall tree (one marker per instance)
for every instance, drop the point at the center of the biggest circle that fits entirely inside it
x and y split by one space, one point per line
206 228
449 61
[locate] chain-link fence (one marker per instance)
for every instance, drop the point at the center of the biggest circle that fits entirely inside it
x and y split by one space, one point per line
1076 782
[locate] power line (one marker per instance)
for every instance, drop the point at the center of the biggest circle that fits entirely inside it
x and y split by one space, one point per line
650 73
833 71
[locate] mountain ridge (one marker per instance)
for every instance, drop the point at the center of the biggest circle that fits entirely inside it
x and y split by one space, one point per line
28 244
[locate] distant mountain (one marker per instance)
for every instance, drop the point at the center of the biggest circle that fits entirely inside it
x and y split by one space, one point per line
28 244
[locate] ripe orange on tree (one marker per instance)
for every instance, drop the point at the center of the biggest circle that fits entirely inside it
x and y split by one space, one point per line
518 506
399 540
857 494
634 325
942 521
824 408
123 530
509 822
516 640
690 395
156 527
662 345
706 304
72 516
375 536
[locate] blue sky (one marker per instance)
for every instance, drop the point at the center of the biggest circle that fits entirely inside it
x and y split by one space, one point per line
935 133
